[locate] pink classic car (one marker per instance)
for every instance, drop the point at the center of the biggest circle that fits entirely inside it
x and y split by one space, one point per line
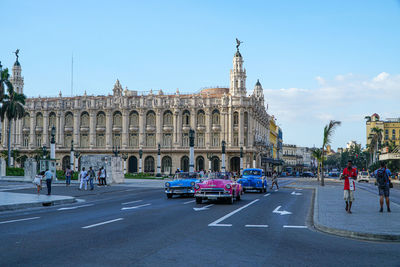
218 186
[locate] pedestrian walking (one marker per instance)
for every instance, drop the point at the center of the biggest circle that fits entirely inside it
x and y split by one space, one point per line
68 174
49 178
274 180
38 181
103 176
349 175
382 178
83 177
91 176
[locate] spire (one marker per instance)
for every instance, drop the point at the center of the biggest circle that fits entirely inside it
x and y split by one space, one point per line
238 74
17 80
258 91
117 89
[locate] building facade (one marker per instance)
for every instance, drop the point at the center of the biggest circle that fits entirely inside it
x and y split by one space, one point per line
134 122
390 129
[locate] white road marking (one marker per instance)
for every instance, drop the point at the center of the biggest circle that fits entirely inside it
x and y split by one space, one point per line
20 220
281 212
294 226
80 200
257 226
76 207
299 189
267 194
276 190
131 202
135 207
296 194
98 224
191 201
215 223
203 208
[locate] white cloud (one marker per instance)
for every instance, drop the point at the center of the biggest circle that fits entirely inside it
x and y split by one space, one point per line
381 77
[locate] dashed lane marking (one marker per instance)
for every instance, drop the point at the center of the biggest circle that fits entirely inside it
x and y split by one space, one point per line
135 207
131 202
191 201
98 224
267 194
203 208
257 226
76 207
216 223
295 226
20 220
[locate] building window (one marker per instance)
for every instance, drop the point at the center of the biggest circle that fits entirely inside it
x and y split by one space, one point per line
150 140
186 118
167 140
200 140
117 119
235 119
39 140
185 140
26 140
245 139
100 140
167 119
235 139
133 140
101 120
85 119
26 120
215 139
69 120
67 140
84 140
200 118
134 119
151 118
52 120
117 140
39 120
215 117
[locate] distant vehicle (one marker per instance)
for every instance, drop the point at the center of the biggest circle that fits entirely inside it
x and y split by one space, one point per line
183 184
334 174
253 179
308 174
283 174
363 176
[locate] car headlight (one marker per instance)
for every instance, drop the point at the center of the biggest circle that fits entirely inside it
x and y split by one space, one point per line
192 183
167 184
197 186
228 186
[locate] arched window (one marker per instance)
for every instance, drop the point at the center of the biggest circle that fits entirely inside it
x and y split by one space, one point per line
215 116
185 163
201 117
236 118
117 119
149 164
27 119
166 165
186 117
246 119
84 119
39 120
199 163
101 119
134 118
151 118
69 120
167 118
52 120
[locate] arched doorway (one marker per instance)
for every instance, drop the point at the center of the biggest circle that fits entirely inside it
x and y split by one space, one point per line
235 164
132 164
66 162
185 163
166 165
215 164
199 163
149 164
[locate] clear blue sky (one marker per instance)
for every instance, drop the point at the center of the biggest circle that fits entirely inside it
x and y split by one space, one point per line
190 45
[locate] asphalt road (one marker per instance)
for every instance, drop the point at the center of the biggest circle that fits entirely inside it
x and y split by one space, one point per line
141 227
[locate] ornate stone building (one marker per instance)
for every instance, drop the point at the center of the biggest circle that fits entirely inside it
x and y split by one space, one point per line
132 121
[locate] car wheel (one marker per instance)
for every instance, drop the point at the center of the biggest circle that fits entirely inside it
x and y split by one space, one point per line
199 200
265 189
238 196
169 195
244 190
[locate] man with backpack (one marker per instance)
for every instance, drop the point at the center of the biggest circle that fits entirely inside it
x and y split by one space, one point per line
382 179
349 175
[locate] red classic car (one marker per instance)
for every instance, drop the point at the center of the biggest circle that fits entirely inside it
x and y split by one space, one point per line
218 186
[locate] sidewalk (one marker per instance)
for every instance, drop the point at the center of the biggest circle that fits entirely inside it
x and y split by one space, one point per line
365 222
13 201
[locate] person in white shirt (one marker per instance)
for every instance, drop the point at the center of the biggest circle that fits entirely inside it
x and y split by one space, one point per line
103 176
83 176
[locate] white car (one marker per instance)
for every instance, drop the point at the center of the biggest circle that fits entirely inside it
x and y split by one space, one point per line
363 176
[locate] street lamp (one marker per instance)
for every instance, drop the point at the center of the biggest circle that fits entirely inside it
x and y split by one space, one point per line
115 150
209 157
140 160
124 157
241 160
53 143
77 154
191 151
71 156
44 150
223 169
158 161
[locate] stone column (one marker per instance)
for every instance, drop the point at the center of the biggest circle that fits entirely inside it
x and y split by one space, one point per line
61 129
241 127
125 126
58 128
179 130
175 137
158 127
108 129
141 127
208 128
230 126
92 128
45 137
32 141
76 128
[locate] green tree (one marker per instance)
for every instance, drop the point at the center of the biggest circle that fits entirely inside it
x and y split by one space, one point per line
317 154
329 129
12 108
4 81
375 141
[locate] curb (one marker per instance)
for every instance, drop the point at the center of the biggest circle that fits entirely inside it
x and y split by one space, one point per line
346 233
37 204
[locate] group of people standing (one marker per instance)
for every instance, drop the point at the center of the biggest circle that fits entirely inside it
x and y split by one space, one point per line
382 179
48 175
89 176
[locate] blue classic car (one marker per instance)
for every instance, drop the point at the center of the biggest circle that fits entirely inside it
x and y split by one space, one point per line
183 184
253 179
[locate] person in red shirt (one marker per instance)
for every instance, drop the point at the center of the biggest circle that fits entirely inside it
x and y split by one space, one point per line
349 175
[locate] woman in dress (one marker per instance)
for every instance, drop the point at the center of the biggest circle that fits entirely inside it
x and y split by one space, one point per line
38 181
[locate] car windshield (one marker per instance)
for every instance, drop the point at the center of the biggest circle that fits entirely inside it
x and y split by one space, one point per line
364 173
252 172
219 175
185 175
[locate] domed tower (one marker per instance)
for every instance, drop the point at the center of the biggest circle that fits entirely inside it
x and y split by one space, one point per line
17 80
117 89
238 75
258 92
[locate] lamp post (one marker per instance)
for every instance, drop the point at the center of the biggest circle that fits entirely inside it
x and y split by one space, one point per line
115 150
71 157
223 169
140 160
209 157
44 150
254 160
191 151
124 157
53 143
77 154
158 161
241 160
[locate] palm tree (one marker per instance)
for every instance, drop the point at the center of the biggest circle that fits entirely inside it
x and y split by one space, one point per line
317 154
4 81
376 139
368 118
12 108
329 129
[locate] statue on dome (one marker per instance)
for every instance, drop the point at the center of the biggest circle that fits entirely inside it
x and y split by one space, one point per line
238 43
16 53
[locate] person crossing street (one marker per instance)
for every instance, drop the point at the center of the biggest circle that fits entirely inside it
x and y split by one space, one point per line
83 178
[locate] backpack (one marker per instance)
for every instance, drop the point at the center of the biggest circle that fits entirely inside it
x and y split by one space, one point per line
381 178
